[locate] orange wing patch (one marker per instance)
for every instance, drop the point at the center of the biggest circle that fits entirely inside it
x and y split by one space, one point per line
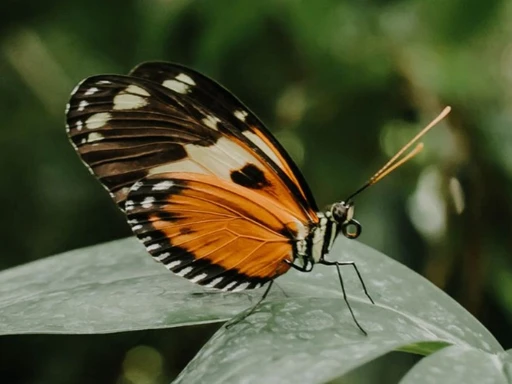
211 231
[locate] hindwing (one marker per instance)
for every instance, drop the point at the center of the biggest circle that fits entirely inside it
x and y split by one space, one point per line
211 231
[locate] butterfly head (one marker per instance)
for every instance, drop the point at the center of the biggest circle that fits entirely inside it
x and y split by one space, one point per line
343 214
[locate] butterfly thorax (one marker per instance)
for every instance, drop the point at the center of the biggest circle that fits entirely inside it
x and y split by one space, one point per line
311 247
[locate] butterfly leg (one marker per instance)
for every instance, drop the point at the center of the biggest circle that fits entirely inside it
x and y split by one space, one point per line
345 298
251 311
353 264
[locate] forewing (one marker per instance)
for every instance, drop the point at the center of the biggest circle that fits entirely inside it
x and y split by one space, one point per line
212 232
127 128
228 108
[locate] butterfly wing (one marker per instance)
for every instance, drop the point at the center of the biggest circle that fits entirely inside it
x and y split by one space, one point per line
211 231
126 128
211 95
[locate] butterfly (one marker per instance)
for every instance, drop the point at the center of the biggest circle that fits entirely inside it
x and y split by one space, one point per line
207 189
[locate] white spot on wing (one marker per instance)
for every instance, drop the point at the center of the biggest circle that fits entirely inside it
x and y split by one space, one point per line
214 282
104 82
136 186
184 271
162 256
94 136
152 247
211 122
79 125
136 90
185 78
241 287
132 97
198 278
67 108
137 227
228 287
82 105
148 202
264 147
176 86
163 185
240 115
97 120
173 264
91 91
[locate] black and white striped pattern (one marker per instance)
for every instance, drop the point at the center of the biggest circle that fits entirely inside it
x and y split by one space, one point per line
318 241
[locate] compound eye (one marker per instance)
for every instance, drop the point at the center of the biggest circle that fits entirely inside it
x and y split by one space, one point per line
351 229
339 212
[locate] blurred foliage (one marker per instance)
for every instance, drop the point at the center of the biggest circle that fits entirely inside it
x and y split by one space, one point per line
342 84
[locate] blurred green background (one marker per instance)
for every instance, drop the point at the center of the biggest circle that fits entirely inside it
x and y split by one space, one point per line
342 84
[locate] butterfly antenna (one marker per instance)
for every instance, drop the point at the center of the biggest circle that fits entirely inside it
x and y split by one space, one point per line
396 161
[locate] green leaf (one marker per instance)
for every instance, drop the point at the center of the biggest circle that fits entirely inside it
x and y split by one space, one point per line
461 364
424 348
112 287
312 339
302 332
